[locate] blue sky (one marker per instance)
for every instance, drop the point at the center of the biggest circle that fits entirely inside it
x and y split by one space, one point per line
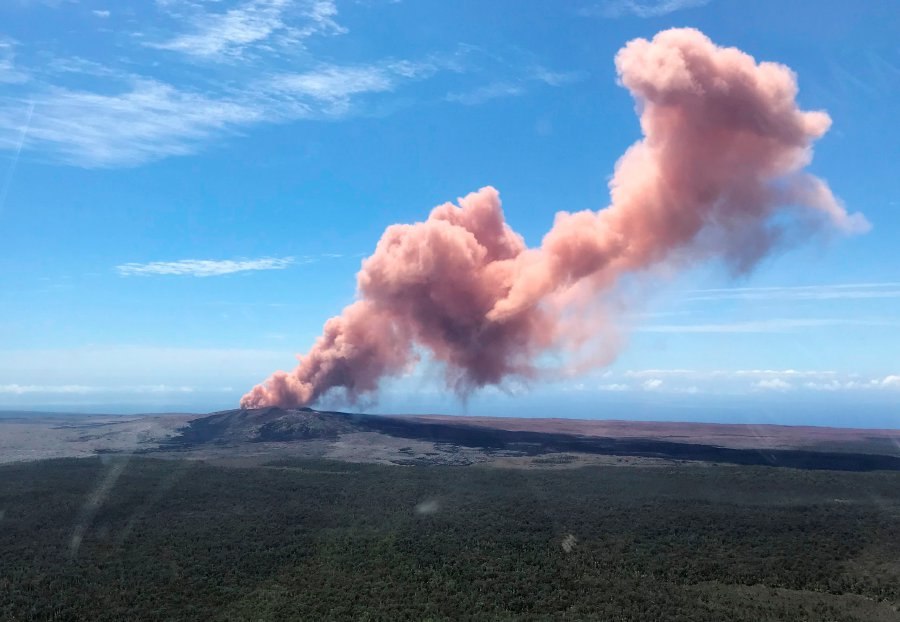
187 188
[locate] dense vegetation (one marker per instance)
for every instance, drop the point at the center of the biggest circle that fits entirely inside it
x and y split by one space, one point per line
122 539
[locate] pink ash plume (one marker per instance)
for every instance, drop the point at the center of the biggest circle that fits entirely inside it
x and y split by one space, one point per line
723 153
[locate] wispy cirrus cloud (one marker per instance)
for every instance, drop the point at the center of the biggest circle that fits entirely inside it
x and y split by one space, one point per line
9 72
204 267
335 82
841 291
148 120
486 93
506 88
639 8
330 90
147 101
555 78
773 325
231 33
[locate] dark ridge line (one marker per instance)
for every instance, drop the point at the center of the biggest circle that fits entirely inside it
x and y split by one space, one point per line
205 430
492 438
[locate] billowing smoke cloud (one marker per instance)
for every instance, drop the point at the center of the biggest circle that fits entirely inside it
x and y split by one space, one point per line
718 174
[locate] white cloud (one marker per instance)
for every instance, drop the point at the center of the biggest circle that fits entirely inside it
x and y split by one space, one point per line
774 325
137 366
892 382
328 90
78 389
501 89
119 115
643 373
843 385
80 65
9 72
831 385
616 387
785 373
19 389
652 384
486 93
740 380
203 267
148 121
335 82
651 8
732 374
774 384
556 78
842 291
228 34
102 14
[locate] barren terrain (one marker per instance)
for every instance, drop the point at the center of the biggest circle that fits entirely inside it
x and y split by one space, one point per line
737 436
243 437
